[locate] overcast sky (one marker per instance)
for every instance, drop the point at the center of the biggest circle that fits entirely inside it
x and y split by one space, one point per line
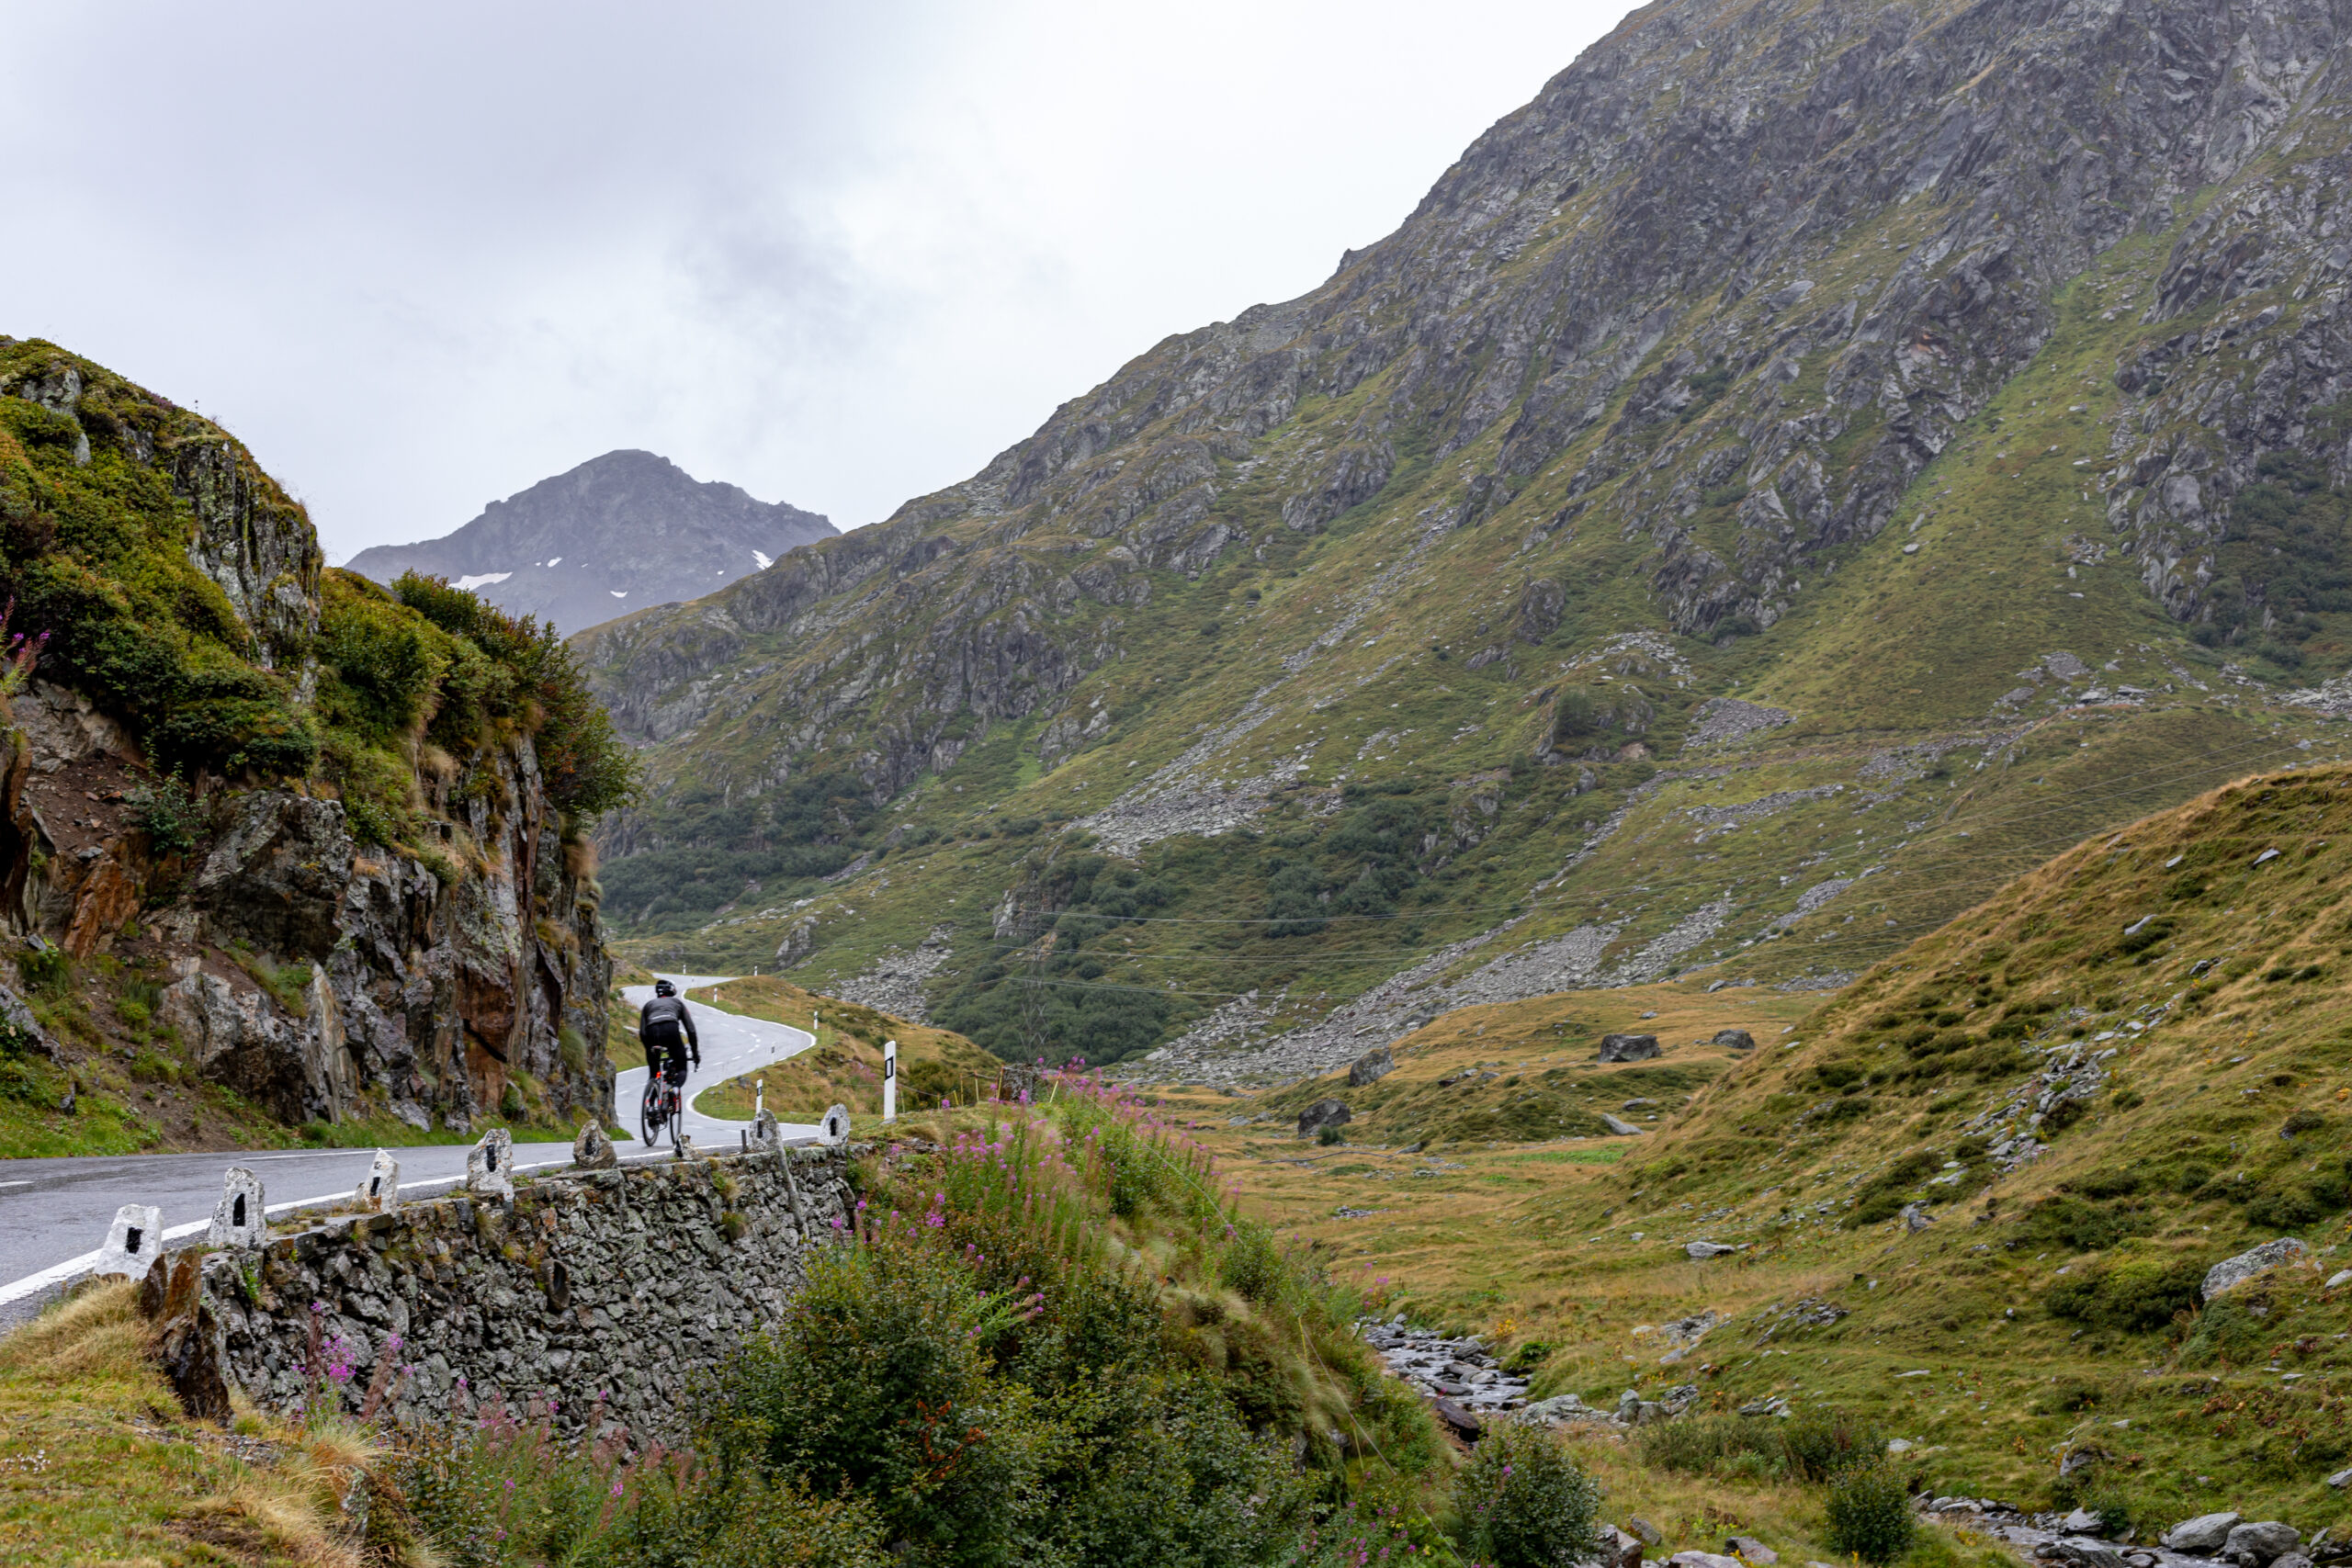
422 257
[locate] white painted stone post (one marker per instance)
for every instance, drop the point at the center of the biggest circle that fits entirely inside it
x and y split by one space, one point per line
889 1080
833 1131
380 1193
133 1241
489 1168
759 1099
238 1220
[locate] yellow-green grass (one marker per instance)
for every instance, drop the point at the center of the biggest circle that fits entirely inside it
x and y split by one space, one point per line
2179 1159
98 1466
844 1067
1528 1070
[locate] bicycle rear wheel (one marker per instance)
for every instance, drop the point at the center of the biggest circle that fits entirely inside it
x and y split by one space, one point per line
649 1112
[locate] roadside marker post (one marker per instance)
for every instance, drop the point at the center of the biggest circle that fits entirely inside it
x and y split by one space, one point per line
132 1241
889 1080
380 1193
238 1219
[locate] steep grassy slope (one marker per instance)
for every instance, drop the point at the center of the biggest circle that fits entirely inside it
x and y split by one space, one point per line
1808 467
2127 1065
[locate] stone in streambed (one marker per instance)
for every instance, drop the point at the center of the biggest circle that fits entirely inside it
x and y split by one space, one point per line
2202 1536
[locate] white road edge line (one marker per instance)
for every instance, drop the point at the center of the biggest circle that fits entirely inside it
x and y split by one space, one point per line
74 1267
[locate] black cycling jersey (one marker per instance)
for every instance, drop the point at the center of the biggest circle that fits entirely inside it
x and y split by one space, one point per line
666 1030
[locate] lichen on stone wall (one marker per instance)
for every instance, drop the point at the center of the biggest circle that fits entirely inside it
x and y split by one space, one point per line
596 1294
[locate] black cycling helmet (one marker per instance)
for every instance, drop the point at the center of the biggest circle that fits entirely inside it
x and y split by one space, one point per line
664 989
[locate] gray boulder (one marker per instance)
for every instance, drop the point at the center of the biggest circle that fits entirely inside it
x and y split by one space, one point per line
1702 1560
2201 1536
1321 1114
1647 1532
1371 1067
1628 1047
1705 1249
1618 1550
2232 1272
1748 1549
1618 1126
1735 1039
2257 1545
2292 1560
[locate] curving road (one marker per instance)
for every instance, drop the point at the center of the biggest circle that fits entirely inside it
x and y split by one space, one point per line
52 1210
731 1046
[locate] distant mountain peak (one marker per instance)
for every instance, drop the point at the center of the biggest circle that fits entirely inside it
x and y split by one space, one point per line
619 533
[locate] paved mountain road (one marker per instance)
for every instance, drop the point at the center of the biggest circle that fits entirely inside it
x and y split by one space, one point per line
53 1212
731 1047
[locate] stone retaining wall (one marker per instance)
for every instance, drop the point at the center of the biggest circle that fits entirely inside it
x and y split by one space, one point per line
604 1291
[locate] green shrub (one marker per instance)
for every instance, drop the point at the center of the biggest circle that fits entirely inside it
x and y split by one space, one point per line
876 1383
1250 1267
2105 1498
1820 1443
1328 1136
20 1081
1705 1445
1577 713
2225 1331
380 661
2134 1296
1529 1356
46 970
1869 1514
1525 1501
167 814
2070 1223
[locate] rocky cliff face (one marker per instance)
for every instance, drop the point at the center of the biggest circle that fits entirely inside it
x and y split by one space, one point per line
1911 372
437 960
319 978
611 536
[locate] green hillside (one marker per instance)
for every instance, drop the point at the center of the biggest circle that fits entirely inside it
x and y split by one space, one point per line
1316 642
2126 1066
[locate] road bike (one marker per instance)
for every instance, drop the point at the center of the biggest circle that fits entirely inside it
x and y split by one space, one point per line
661 1107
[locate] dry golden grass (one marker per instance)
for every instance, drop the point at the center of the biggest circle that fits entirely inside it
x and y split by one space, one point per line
98 1466
844 1067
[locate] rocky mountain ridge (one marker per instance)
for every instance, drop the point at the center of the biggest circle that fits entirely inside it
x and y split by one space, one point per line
611 536
1871 412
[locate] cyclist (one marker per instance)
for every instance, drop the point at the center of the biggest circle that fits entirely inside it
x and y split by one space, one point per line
666 1030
